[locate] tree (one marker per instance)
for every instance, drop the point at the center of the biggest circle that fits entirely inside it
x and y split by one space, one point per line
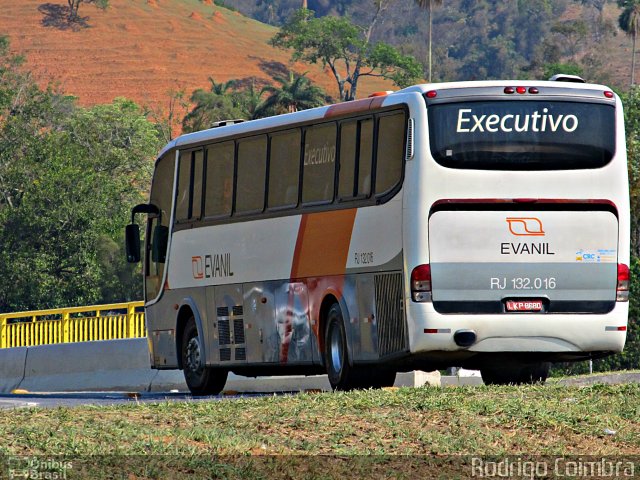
210 107
573 33
169 120
629 22
346 49
295 93
74 5
68 178
597 21
222 87
250 98
428 5
245 99
26 111
74 184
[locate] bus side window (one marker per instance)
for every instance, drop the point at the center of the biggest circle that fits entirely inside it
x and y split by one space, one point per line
252 171
284 169
365 157
159 243
348 150
198 173
219 182
390 152
356 154
183 198
319 165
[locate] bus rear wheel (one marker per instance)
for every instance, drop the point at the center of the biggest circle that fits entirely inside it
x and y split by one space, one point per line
200 379
336 355
343 376
516 374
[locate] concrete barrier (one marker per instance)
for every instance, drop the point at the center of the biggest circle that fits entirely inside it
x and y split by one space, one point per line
12 362
123 365
85 366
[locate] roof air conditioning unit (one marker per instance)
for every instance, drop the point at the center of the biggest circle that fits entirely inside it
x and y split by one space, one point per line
563 77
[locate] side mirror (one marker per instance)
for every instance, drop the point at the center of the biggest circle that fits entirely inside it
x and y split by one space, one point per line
148 208
159 244
132 241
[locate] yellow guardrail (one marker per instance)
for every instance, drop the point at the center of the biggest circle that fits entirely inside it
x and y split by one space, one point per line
77 324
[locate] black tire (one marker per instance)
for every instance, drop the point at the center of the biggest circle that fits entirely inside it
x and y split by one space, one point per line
336 355
343 376
516 374
201 380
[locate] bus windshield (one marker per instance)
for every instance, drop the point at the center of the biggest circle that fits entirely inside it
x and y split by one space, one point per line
522 134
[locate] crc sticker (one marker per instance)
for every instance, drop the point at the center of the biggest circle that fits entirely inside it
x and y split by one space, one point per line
596 256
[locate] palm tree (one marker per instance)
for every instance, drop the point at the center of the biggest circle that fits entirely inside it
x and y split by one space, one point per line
250 99
629 21
223 87
295 93
428 5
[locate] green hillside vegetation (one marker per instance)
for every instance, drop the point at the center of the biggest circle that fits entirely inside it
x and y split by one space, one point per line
487 39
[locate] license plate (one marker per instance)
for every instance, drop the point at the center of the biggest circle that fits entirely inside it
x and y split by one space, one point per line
524 305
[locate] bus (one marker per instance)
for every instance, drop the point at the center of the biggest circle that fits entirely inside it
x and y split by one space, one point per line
482 225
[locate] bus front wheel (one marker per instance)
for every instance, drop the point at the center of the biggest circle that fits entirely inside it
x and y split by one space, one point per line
200 379
516 374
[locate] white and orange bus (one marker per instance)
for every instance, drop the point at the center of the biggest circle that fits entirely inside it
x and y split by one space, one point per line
477 224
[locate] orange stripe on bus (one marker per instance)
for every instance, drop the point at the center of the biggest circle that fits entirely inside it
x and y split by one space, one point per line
323 244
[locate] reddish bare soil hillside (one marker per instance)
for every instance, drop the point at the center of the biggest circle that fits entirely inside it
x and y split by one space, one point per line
142 49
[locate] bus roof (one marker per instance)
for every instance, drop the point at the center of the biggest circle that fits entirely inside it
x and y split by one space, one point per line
471 88
425 87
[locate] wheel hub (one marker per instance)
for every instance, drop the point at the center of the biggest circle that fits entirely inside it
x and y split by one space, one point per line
336 350
194 363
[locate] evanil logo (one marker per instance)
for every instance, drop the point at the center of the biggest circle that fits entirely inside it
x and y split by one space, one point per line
469 122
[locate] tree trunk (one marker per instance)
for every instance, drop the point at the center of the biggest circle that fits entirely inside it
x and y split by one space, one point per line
339 81
354 83
633 60
74 5
430 25
304 4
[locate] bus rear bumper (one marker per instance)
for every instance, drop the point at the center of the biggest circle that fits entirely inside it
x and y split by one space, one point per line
560 334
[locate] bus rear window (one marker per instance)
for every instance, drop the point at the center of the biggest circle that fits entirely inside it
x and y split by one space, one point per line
522 135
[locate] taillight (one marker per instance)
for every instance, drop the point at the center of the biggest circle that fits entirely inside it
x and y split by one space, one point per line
421 283
622 290
432 94
608 94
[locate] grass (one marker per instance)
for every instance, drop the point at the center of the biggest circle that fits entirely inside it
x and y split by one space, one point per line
347 433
